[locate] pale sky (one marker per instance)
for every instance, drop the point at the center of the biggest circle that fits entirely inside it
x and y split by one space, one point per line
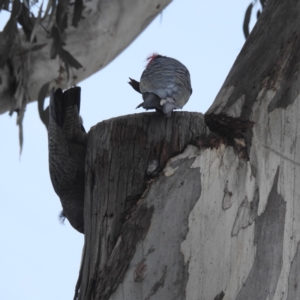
40 258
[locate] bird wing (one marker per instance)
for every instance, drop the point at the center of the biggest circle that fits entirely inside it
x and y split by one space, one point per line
167 78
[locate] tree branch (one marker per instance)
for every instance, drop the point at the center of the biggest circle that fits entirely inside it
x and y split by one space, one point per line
104 31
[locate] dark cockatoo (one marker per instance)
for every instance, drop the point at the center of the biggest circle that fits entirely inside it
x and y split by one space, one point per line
165 84
67 151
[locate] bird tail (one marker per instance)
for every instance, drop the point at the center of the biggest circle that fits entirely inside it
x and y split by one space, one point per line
60 102
135 85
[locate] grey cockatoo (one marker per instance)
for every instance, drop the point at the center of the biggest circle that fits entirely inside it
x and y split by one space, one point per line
165 84
67 151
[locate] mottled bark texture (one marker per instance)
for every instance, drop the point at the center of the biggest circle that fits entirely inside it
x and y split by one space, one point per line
222 219
257 112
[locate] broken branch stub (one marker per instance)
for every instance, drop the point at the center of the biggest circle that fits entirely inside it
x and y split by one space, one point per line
124 155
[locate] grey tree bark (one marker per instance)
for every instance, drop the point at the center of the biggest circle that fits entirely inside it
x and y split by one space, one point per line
124 157
222 218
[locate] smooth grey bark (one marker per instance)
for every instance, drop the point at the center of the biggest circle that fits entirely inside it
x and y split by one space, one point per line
222 219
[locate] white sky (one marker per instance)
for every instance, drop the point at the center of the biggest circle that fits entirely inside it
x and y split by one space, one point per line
40 257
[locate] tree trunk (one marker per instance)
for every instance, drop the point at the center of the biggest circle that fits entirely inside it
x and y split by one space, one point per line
222 219
124 157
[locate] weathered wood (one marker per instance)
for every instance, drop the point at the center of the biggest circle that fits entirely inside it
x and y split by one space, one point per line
157 269
123 156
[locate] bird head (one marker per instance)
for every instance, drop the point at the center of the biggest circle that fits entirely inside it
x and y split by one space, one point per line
151 58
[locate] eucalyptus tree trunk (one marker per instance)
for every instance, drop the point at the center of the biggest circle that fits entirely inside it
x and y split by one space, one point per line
221 220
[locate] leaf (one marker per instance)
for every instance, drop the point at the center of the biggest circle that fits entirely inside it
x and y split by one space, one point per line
38 47
57 43
49 6
16 9
69 59
44 114
53 10
10 28
20 118
25 21
247 20
64 23
67 71
22 52
21 137
77 12
36 24
61 14
26 4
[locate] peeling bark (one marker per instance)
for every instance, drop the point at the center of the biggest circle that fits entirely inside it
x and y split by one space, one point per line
263 277
120 158
225 212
